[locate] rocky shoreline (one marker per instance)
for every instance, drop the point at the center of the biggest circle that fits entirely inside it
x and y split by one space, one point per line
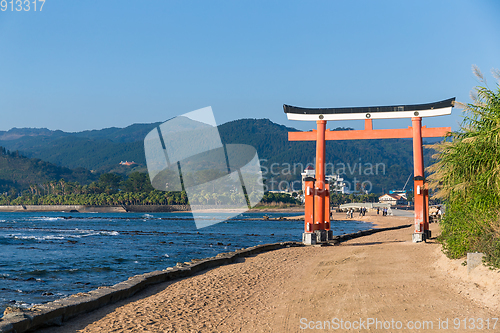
59 311
131 209
380 275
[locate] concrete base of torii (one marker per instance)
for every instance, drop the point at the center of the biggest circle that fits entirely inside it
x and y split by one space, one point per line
418 237
309 238
318 236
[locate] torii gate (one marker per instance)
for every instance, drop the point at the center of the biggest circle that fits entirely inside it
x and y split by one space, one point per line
317 207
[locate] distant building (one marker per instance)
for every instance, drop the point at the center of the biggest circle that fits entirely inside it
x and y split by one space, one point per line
127 163
393 199
282 192
336 182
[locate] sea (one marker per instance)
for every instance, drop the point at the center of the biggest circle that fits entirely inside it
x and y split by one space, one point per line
47 256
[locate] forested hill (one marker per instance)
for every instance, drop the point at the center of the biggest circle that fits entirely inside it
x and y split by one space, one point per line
99 150
385 164
18 172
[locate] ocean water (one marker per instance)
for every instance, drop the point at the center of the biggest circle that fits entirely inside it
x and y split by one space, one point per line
46 256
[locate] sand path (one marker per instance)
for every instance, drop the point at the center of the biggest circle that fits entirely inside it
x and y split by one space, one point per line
383 276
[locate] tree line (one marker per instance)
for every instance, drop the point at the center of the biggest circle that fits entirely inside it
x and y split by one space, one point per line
115 189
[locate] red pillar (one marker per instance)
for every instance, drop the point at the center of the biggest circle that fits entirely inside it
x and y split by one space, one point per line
426 210
319 205
309 203
418 173
327 206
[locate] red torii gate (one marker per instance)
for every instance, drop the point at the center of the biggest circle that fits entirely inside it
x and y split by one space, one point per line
317 206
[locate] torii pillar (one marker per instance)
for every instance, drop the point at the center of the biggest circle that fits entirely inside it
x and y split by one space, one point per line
317 207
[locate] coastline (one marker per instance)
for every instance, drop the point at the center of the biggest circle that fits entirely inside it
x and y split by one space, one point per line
383 276
134 209
269 292
72 305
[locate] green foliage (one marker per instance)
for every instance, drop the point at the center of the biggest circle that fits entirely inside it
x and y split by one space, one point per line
337 199
137 182
110 182
98 199
113 189
467 178
19 172
270 197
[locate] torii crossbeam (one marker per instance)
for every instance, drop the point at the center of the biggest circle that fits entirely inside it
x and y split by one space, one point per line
317 210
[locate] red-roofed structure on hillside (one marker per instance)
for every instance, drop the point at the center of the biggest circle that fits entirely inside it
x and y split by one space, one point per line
127 163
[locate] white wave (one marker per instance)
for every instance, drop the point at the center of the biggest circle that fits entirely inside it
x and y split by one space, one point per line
88 235
81 231
38 238
46 218
110 233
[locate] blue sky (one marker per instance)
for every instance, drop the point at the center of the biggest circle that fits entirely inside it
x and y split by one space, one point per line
81 65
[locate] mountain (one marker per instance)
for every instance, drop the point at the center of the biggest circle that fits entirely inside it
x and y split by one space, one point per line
19 172
381 164
99 150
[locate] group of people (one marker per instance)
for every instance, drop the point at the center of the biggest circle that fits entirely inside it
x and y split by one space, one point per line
384 211
350 212
363 210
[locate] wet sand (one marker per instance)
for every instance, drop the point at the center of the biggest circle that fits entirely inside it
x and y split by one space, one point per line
382 277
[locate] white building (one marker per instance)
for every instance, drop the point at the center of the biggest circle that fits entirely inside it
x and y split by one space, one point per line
393 199
336 182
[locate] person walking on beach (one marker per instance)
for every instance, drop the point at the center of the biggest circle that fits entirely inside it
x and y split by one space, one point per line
352 212
439 213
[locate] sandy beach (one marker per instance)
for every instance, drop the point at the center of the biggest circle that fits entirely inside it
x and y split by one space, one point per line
380 279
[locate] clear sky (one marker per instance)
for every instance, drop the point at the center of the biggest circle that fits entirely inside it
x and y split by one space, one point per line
80 65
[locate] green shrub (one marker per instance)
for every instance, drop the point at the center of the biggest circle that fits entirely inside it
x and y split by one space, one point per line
467 177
